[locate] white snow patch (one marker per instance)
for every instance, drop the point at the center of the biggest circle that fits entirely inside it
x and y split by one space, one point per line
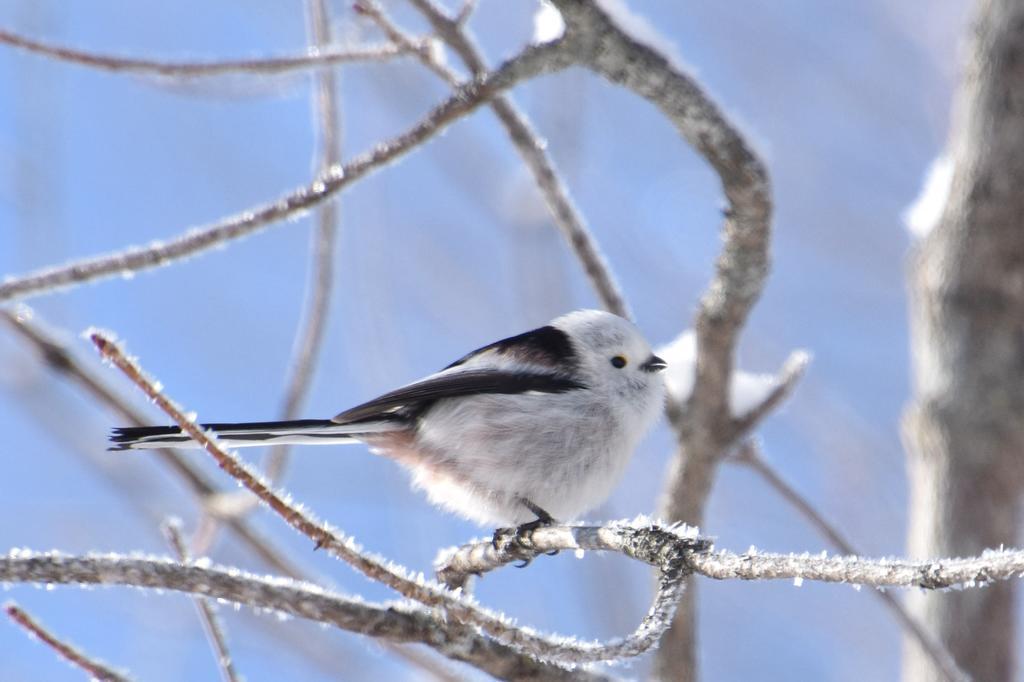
548 24
926 210
748 389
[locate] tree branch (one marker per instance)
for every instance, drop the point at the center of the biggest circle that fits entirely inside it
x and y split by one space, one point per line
190 69
211 624
564 212
95 669
397 622
533 61
662 546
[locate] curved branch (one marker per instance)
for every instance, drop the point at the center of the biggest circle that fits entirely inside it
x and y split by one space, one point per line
533 61
310 336
191 69
394 622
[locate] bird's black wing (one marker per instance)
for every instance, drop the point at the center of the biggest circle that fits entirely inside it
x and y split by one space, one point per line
546 346
417 396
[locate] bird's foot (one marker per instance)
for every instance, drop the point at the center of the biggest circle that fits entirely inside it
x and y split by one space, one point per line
518 541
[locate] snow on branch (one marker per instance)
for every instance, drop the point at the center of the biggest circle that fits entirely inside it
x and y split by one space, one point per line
72 655
313 58
396 622
665 546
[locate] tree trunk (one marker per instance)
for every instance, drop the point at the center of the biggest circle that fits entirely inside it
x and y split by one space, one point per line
965 427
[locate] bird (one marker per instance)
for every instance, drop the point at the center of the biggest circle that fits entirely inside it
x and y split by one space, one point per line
522 432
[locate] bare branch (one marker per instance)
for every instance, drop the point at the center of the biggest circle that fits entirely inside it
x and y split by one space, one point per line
191 69
95 669
533 151
397 622
64 363
310 336
211 624
749 456
533 61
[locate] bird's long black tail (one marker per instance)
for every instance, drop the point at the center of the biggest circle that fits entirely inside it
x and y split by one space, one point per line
247 434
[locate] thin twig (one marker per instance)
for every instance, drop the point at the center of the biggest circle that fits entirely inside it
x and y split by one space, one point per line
786 380
211 623
396 622
193 69
533 61
310 337
94 668
429 593
750 456
531 148
64 363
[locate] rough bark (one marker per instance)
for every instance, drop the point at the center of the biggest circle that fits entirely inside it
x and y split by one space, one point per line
964 429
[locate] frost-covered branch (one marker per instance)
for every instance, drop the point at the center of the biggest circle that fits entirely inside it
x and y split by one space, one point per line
313 58
396 622
211 623
62 361
665 545
94 668
532 61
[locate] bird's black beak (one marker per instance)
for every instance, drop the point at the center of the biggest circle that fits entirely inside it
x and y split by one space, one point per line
654 364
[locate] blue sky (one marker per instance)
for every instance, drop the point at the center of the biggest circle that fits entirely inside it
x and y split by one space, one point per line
447 250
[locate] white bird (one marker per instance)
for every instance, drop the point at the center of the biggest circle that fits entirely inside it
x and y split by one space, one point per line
526 430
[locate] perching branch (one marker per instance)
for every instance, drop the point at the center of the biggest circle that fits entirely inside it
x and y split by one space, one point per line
211 623
336 543
95 669
190 69
396 622
532 61
655 544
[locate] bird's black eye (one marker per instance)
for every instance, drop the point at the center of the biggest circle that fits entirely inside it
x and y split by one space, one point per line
619 362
